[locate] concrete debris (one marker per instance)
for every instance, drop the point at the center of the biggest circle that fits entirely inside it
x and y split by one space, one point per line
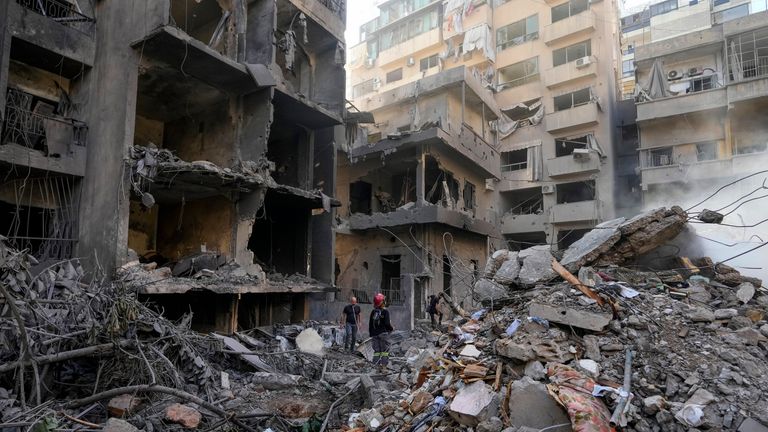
474 404
184 415
745 292
309 341
752 425
509 270
487 290
118 425
537 265
571 316
530 405
123 405
710 216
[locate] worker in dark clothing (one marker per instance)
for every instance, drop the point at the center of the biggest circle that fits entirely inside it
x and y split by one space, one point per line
350 321
379 327
434 309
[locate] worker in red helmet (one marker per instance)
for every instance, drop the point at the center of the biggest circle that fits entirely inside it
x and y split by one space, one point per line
379 327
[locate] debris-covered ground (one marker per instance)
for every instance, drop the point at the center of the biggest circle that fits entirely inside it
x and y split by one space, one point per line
584 340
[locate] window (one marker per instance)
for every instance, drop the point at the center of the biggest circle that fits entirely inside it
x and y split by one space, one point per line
395 75
660 157
517 33
721 2
732 13
363 88
570 100
571 53
514 160
693 2
630 49
520 73
469 196
706 151
636 21
565 10
566 146
702 83
575 192
628 68
428 63
663 7
411 28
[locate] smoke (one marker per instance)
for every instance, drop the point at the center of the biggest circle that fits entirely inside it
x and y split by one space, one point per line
744 203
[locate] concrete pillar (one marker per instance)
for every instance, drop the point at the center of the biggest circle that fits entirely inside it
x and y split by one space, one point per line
5 55
420 176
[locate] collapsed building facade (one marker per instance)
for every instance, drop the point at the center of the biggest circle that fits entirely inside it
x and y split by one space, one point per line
189 144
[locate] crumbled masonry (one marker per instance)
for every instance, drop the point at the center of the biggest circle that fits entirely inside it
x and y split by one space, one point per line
542 353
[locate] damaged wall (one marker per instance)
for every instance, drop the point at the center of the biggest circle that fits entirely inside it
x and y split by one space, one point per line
182 229
208 135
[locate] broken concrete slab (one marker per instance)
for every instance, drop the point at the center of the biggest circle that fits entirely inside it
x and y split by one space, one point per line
592 347
571 316
752 425
474 404
494 262
118 425
309 341
275 381
234 345
745 292
594 243
641 220
700 314
421 400
509 270
530 405
486 290
537 265
184 415
515 351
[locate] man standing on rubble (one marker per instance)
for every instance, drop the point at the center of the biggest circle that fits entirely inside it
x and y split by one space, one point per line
379 327
434 309
350 319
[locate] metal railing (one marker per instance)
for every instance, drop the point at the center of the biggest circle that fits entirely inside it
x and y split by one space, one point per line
393 294
755 68
514 167
30 128
658 160
338 7
62 12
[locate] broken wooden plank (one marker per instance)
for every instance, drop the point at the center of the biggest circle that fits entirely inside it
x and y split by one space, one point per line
573 280
475 371
253 360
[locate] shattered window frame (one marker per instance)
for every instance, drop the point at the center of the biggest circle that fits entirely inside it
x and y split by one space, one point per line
529 73
572 99
571 53
509 36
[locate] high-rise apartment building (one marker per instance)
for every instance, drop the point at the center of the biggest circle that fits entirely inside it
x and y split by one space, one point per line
492 125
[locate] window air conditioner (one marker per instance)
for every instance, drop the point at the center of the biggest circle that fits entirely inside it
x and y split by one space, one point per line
583 62
411 61
674 75
695 71
548 189
369 62
581 153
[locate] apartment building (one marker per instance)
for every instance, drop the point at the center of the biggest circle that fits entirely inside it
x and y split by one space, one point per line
193 136
702 109
520 95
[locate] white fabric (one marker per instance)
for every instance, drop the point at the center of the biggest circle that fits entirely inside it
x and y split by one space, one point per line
479 38
593 145
512 146
736 69
535 163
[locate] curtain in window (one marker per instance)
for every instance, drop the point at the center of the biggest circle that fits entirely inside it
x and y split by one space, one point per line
535 162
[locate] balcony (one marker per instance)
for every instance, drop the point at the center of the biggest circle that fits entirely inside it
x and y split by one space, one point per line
753 85
328 13
415 44
41 140
522 223
689 172
684 104
62 12
582 115
582 211
579 24
564 166
423 214
571 71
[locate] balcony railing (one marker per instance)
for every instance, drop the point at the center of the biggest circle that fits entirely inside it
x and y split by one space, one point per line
338 7
514 167
64 13
37 130
755 68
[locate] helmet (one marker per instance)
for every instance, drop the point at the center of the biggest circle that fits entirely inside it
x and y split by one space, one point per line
378 300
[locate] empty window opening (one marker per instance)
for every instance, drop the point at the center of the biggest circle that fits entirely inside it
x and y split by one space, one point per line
520 241
573 99
429 62
279 239
576 192
523 201
565 10
520 73
259 310
447 275
706 151
395 75
360 194
288 147
200 19
40 214
659 157
390 279
211 312
566 146
567 238
514 160
470 200
571 53
441 186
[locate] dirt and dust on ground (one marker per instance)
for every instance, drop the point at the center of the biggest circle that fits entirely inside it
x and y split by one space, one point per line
592 338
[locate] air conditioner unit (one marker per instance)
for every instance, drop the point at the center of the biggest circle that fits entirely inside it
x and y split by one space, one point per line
548 189
581 153
674 75
370 62
695 71
411 61
583 62
376 83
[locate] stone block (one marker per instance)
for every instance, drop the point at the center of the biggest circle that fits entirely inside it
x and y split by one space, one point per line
570 316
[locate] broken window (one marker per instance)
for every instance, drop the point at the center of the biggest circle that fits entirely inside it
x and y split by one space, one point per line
575 192
571 53
469 196
520 241
573 7
518 32
289 148
748 55
447 275
659 157
520 73
362 89
523 201
706 151
280 234
395 75
360 194
567 238
390 279
203 20
429 62
573 99
566 146
514 160
441 186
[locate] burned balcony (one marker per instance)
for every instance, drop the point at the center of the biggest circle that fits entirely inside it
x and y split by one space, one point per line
63 12
34 134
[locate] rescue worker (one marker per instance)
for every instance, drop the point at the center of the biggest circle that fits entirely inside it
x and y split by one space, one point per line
434 309
379 327
350 321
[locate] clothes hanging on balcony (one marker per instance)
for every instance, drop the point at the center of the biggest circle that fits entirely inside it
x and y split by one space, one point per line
479 38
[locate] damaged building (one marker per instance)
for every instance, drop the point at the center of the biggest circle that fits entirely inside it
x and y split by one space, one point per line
187 144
